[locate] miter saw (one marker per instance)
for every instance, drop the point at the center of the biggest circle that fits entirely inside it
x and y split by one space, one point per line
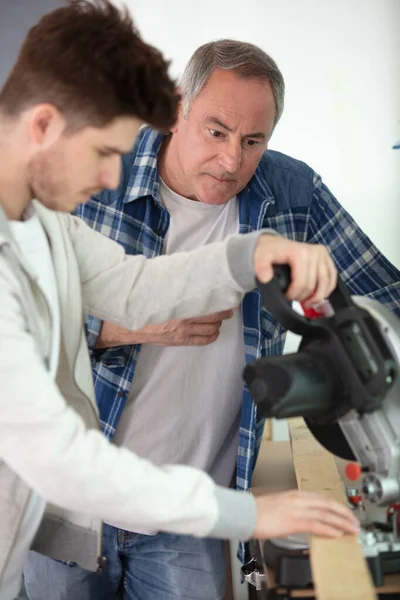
345 381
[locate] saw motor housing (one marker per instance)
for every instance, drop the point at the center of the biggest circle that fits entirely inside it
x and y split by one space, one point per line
344 380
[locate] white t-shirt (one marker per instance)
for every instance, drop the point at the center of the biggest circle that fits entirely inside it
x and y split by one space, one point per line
185 402
34 245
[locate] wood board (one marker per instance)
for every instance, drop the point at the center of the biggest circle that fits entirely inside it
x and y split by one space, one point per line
339 569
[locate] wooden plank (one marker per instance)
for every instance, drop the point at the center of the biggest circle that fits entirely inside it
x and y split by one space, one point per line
339 569
267 434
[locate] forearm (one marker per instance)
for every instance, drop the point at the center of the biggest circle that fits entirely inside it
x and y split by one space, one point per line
112 335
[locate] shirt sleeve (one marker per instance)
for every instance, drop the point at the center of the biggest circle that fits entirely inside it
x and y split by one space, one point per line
363 268
133 291
93 327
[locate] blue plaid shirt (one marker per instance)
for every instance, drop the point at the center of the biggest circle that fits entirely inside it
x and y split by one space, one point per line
284 194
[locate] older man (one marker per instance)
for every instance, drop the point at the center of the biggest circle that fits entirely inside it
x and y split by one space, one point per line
173 393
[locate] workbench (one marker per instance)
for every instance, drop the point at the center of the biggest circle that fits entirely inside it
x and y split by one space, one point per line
339 570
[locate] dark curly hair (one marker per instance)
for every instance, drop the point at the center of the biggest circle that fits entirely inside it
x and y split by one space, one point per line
89 61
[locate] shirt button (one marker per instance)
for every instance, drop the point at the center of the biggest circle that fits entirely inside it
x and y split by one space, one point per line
121 394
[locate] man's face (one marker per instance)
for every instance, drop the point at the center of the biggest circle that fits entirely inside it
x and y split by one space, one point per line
81 164
220 142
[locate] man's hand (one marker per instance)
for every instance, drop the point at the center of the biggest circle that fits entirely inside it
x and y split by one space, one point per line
302 512
200 331
313 271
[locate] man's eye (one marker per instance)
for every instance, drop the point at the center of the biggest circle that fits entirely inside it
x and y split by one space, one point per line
215 133
252 142
103 153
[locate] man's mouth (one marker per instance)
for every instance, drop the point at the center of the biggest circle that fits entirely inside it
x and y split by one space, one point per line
222 179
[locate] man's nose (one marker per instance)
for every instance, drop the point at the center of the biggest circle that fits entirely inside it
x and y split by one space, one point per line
231 157
111 174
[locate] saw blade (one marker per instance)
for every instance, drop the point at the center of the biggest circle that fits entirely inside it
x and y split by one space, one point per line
332 438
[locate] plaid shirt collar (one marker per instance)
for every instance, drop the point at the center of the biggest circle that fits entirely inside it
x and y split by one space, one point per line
144 177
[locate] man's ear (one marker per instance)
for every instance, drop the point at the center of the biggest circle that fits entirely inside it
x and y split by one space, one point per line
46 124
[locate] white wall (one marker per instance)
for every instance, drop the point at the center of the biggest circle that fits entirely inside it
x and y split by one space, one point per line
341 63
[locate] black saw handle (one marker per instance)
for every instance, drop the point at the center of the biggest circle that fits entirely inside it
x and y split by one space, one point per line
354 336
272 294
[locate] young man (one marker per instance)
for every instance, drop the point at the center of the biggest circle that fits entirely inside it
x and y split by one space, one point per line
208 179
83 84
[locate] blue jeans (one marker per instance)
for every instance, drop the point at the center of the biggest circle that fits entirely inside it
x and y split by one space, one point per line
138 567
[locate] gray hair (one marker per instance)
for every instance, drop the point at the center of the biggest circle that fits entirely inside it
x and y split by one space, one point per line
246 59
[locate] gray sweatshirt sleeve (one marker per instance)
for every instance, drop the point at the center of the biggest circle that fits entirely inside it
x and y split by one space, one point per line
240 257
237 515
178 286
